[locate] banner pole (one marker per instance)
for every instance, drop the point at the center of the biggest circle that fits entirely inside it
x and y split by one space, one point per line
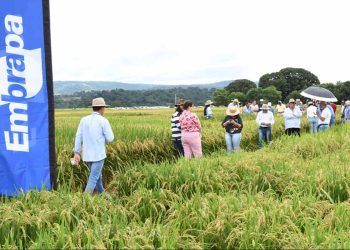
50 92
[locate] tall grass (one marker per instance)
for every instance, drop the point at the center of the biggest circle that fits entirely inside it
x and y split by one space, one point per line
293 193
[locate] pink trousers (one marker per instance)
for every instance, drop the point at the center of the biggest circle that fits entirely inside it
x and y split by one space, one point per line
191 142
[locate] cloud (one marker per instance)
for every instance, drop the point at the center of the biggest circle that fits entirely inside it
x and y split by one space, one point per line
162 41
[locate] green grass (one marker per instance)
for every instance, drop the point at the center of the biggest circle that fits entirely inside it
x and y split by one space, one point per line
292 194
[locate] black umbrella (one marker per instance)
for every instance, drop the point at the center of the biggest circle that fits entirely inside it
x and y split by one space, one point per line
320 94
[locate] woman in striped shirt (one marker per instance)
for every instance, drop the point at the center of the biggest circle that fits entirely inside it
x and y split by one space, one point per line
176 129
191 132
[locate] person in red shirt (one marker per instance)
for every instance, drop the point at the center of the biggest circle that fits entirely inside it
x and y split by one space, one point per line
334 107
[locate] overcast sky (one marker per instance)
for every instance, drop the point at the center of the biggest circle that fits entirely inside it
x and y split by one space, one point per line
198 41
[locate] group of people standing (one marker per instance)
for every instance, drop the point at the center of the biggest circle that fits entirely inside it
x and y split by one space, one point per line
186 127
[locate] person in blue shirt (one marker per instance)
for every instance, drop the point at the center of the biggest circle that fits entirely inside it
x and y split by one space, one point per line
93 132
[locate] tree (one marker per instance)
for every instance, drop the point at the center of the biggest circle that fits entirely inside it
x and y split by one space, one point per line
271 94
254 94
240 96
295 95
275 79
288 80
241 85
221 97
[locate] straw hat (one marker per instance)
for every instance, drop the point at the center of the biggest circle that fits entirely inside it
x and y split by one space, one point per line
234 100
209 102
232 111
265 107
99 102
291 100
180 102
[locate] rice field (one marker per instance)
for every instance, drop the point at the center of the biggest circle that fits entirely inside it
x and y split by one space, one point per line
293 193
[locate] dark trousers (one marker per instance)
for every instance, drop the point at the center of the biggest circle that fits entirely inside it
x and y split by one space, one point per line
264 136
293 131
179 150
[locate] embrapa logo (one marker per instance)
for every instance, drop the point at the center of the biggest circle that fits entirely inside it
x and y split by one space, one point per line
20 79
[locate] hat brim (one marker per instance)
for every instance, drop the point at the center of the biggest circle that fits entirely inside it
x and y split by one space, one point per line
232 114
99 106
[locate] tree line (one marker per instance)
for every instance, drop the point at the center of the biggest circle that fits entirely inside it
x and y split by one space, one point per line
132 98
278 86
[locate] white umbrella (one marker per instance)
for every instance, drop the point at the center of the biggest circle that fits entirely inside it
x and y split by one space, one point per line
320 94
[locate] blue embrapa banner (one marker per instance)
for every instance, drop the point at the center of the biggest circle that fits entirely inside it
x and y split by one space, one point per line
27 155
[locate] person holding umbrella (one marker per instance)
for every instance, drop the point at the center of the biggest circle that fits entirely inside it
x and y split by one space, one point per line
292 117
324 117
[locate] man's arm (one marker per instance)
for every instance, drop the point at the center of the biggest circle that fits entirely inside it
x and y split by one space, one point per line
78 142
108 132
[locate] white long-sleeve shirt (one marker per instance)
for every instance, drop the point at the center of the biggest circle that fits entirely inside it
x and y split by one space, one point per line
93 132
311 112
265 118
292 118
326 113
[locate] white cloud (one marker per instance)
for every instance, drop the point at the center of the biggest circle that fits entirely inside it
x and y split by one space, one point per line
192 41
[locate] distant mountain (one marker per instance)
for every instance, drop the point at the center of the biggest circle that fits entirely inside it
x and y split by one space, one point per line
70 87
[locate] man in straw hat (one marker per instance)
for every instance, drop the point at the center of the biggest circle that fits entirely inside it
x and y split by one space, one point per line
234 103
292 116
176 128
265 120
208 113
233 126
93 132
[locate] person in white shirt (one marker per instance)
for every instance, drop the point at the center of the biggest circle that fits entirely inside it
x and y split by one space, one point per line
265 120
292 116
247 109
234 103
311 113
324 117
346 113
208 113
93 132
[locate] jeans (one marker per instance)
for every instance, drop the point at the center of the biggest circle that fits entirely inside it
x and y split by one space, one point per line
313 124
323 127
192 144
264 136
179 150
233 142
95 178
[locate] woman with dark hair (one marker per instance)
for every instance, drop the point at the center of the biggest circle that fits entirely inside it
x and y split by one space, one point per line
208 113
191 132
176 129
